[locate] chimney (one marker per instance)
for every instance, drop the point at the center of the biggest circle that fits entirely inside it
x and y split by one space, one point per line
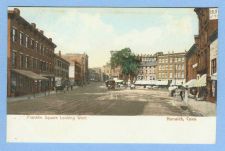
17 11
50 39
59 53
42 32
33 25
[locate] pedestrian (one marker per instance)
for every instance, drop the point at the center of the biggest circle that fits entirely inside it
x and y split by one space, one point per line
186 95
181 95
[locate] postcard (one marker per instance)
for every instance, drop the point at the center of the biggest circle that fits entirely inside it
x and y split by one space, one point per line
112 74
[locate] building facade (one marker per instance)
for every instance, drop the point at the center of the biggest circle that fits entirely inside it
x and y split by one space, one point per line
95 74
106 72
208 24
191 63
81 62
213 63
61 67
30 57
147 68
171 67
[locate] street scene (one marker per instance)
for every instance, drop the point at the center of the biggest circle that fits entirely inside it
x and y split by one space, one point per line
97 100
112 61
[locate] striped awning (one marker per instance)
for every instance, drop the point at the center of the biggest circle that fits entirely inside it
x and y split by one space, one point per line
191 83
201 82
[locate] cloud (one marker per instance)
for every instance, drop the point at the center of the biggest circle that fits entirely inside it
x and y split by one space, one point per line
87 30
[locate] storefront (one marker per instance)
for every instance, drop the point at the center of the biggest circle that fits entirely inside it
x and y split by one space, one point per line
26 82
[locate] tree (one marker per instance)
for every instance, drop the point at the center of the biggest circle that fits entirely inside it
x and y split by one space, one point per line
128 62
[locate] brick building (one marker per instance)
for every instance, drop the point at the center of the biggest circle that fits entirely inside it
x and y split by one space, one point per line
81 62
61 67
147 69
191 63
208 24
30 57
171 67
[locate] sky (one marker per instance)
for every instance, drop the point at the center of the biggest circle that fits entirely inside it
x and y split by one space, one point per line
97 31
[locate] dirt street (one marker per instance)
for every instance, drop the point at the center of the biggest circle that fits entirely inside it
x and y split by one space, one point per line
95 99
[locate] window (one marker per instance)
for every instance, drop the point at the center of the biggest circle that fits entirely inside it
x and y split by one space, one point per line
166 67
40 48
26 41
183 59
13 36
32 43
43 50
13 59
166 60
182 67
175 59
182 75
21 61
36 46
34 63
213 66
26 62
21 38
171 75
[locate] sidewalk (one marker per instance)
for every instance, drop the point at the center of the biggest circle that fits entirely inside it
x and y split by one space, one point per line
204 107
30 96
37 95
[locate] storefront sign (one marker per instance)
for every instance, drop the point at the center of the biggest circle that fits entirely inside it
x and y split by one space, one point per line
213 13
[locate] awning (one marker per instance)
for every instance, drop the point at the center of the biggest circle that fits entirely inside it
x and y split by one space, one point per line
119 81
47 75
29 74
214 76
146 82
191 83
201 82
177 82
163 82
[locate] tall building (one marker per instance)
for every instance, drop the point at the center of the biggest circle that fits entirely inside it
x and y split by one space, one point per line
208 25
147 68
30 57
82 60
171 67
